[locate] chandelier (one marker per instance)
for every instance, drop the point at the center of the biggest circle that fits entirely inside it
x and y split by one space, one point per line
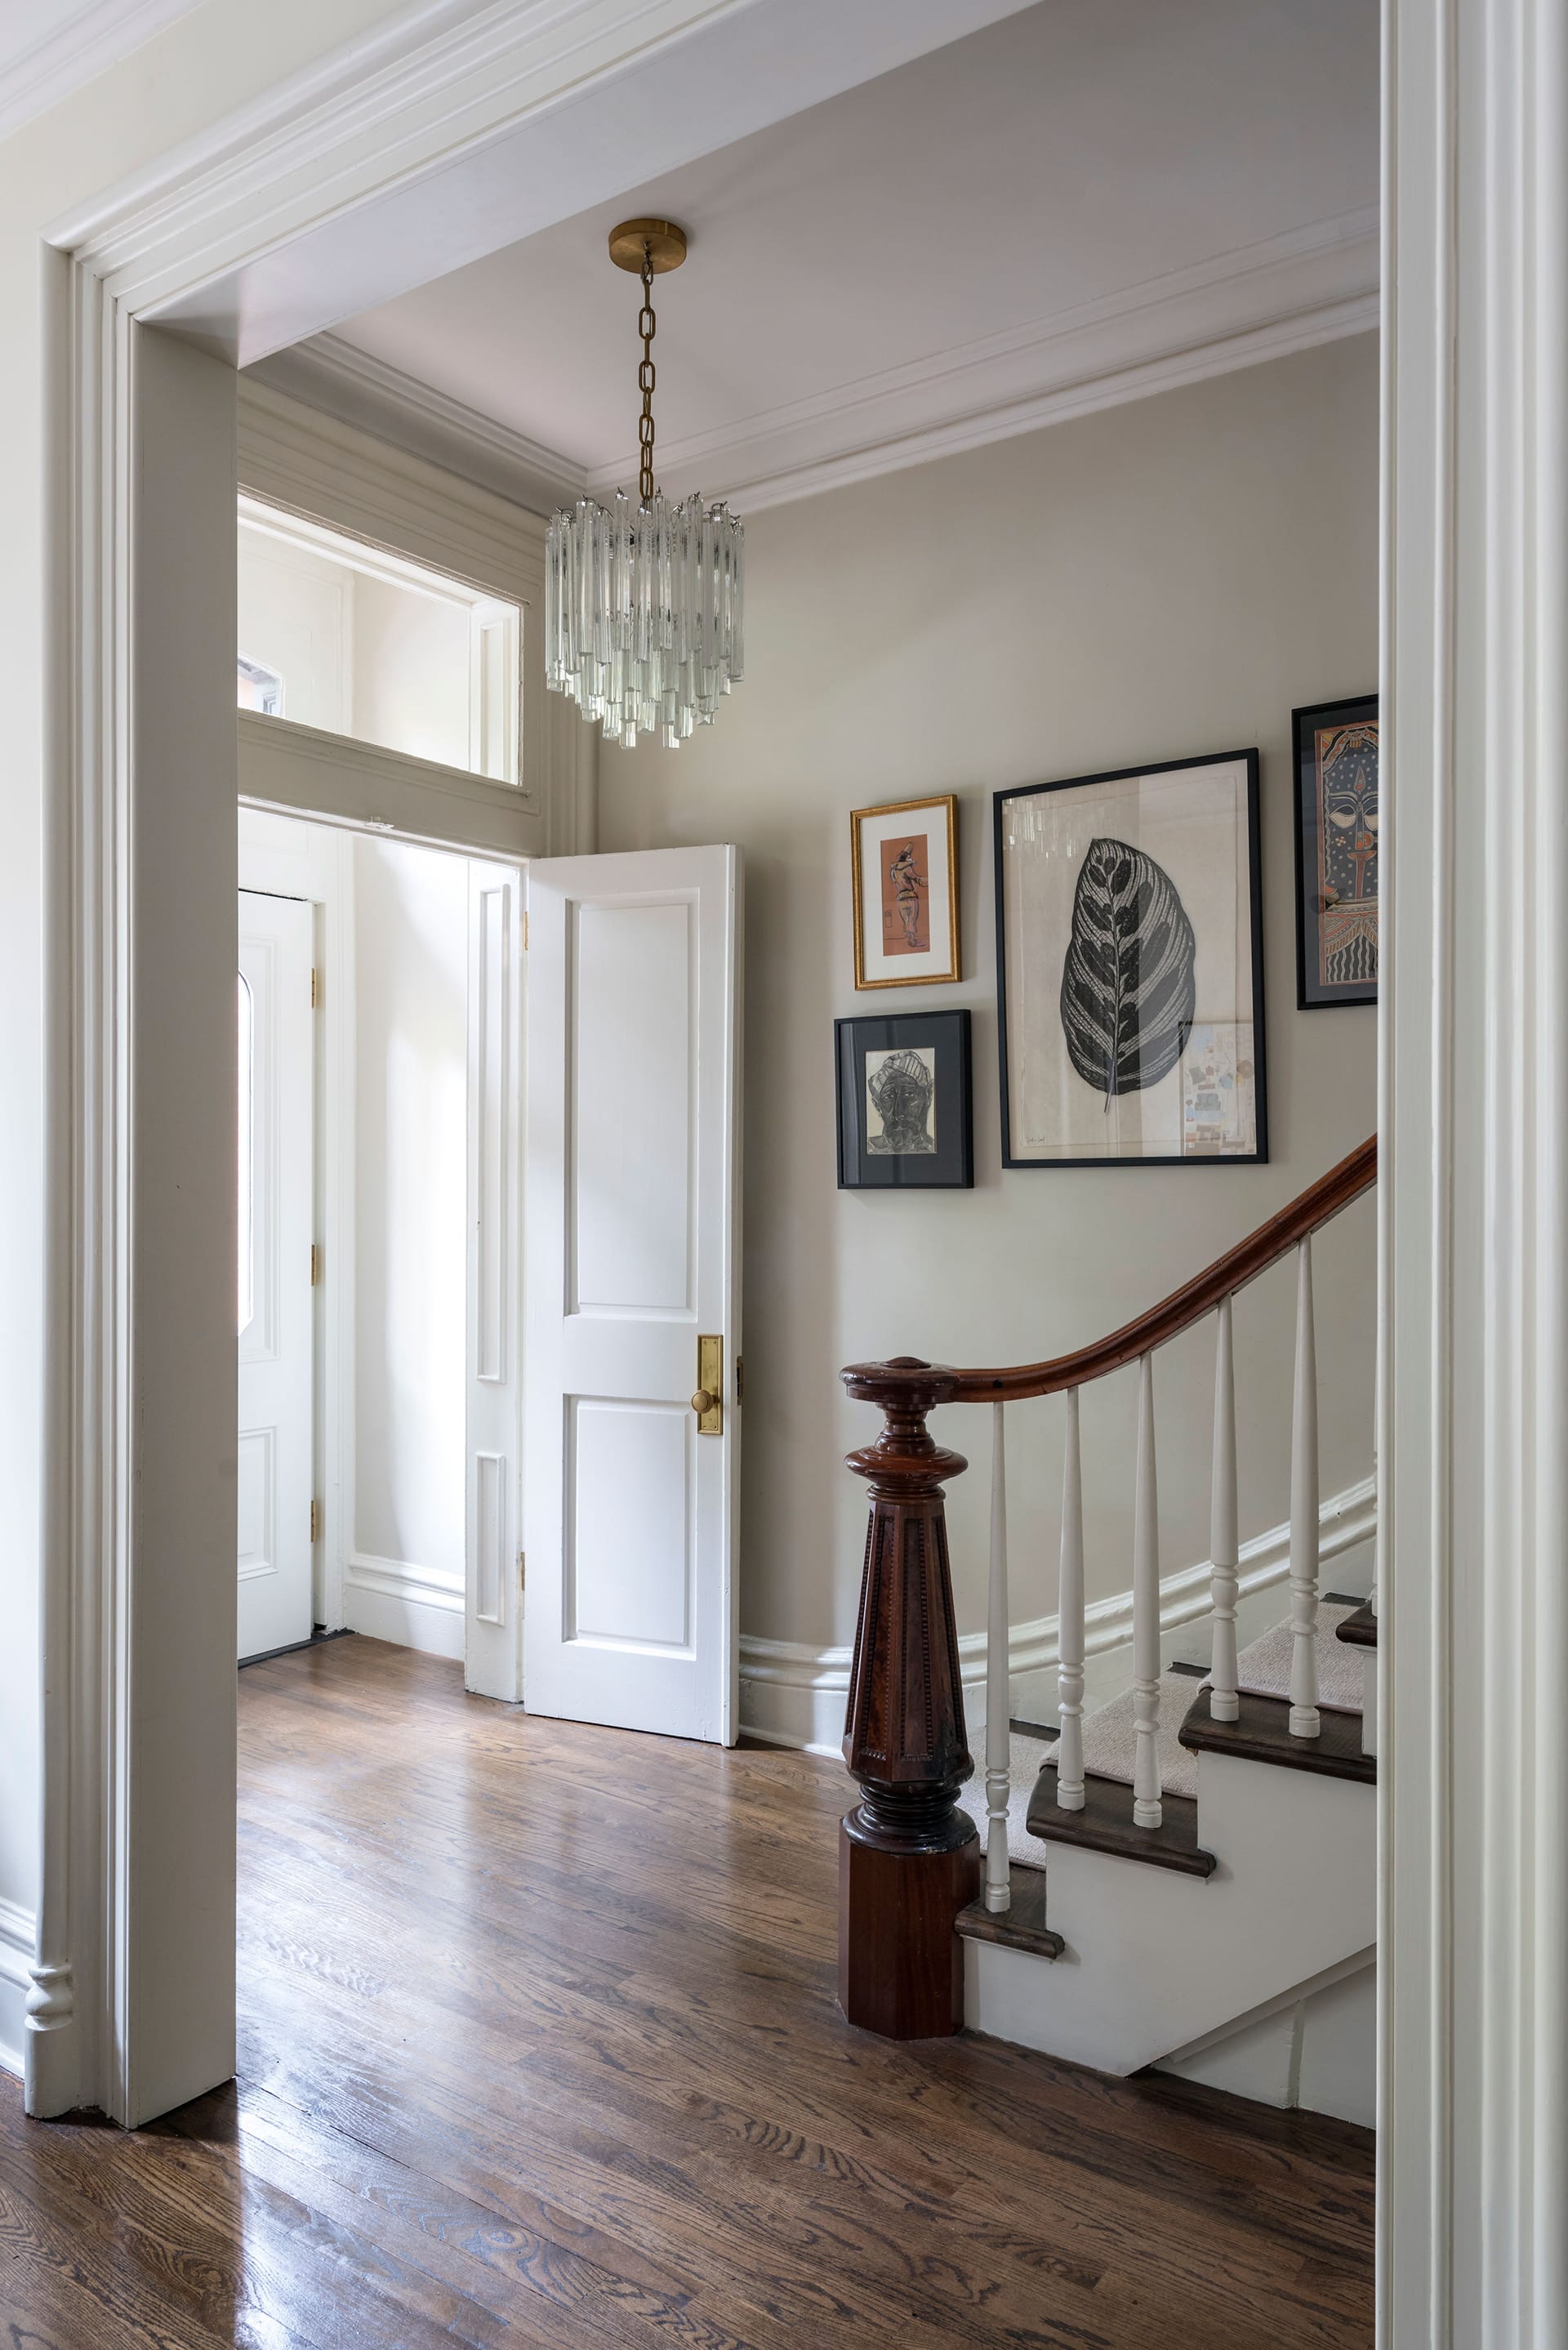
642 598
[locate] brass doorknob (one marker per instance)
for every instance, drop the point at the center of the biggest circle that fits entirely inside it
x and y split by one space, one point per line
703 1402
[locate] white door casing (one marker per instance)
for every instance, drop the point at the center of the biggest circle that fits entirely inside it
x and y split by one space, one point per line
493 1602
632 1171
276 1338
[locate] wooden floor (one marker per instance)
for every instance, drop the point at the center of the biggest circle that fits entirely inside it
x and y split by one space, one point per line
538 2045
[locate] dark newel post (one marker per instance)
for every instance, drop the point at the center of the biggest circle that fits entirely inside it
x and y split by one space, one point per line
909 1859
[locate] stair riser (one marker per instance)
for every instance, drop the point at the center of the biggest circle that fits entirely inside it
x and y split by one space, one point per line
1153 1961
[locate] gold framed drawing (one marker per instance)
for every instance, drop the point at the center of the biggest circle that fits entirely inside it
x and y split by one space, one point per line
904 857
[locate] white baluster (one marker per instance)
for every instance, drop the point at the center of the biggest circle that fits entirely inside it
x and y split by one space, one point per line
1305 1511
1147 1812
998 1701
1070 1624
1223 1703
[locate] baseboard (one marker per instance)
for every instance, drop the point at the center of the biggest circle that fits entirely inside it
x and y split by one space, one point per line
795 1696
18 1941
411 1606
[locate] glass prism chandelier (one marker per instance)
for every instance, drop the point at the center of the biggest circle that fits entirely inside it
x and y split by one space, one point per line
643 597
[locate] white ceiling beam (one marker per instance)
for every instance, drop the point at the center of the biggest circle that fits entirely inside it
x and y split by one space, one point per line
538 110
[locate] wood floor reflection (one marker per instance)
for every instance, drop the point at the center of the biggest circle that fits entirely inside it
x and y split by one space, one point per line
538 2045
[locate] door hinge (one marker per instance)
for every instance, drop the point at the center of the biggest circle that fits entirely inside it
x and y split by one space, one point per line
522 1570
315 990
524 930
316 1522
315 1264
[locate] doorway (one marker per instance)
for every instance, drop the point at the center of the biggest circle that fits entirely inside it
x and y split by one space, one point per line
399 1164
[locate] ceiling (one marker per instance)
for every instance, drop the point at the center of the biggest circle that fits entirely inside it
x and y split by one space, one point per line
1083 201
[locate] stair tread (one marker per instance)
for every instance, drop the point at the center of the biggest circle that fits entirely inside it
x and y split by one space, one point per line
1359 1630
1105 1825
1261 1734
1021 1927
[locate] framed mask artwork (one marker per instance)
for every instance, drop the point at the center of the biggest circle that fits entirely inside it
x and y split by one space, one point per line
1130 967
904 1103
1336 852
904 859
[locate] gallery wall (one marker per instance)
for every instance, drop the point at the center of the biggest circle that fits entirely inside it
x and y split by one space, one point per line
1160 580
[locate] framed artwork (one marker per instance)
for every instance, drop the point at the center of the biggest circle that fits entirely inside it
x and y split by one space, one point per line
1130 967
1336 852
905 862
904 1103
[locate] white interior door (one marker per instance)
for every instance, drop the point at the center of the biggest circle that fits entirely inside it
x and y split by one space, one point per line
631 1223
493 1596
276 1088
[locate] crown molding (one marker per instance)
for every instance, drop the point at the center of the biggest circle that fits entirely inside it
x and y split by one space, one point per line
77 51
1261 302
337 379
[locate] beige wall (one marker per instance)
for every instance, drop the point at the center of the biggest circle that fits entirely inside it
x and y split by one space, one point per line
1165 578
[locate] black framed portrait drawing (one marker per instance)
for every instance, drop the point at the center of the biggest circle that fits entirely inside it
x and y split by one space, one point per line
1130 967
905 1116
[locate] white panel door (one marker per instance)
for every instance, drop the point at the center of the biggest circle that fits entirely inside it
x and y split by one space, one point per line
275 1338
631 1223
492 1639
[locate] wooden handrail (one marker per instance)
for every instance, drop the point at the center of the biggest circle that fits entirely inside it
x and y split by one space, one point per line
908 1858
1320 1200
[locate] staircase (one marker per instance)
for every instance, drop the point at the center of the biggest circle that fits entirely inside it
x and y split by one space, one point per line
1185 1878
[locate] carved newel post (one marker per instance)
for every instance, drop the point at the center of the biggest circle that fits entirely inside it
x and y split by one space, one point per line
909 1859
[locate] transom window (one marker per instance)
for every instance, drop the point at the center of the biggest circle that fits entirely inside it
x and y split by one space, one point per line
338 635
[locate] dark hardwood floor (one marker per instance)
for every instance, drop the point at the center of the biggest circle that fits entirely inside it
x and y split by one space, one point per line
538 2045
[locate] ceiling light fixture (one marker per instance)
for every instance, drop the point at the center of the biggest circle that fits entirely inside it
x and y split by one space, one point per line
642 599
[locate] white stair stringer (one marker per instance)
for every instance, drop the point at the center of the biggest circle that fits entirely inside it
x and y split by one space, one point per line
1155 1960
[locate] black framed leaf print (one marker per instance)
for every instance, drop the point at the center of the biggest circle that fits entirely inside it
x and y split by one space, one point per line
1130 968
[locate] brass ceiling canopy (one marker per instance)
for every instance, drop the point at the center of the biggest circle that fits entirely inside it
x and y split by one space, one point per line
658 241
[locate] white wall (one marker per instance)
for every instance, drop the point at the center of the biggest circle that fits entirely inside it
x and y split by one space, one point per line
404 1576
410 671
1167 578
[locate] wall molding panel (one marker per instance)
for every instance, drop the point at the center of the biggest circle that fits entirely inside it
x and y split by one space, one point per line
18 1938
793 1695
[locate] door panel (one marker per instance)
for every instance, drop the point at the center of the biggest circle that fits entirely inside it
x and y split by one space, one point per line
632 1255
492 1636
276 1079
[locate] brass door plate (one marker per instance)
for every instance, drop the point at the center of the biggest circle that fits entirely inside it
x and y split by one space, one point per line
711 1383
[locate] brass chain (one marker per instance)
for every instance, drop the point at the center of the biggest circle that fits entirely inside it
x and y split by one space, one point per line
645 376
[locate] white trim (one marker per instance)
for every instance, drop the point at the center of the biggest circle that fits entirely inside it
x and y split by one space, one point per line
77 51
793 1695
412 1607
468 127
1473 1215
358 388
1260 302
18 1939
332 472
306 772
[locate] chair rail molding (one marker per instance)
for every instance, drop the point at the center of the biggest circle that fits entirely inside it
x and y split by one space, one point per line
794 1695
1474 1238
393 159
